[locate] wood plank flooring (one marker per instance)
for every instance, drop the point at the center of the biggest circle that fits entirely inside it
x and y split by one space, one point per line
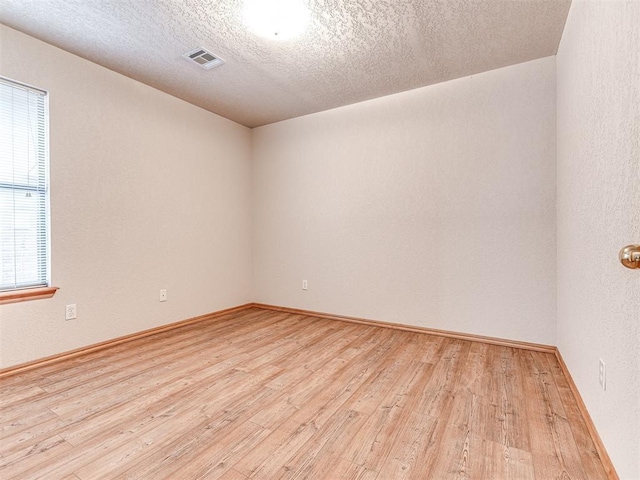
267 395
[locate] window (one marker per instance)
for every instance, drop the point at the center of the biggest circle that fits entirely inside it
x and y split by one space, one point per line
24 192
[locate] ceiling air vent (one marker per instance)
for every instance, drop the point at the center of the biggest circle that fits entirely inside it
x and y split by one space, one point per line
204 58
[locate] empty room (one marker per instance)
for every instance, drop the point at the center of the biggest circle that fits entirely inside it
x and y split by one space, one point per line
321 239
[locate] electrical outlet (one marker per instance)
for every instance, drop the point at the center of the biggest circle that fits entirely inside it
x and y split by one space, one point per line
305 285
163 295
602 375
70 312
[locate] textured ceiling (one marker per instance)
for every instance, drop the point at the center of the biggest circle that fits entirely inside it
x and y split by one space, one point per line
353 50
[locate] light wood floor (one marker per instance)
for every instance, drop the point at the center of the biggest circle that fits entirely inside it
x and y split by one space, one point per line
261 394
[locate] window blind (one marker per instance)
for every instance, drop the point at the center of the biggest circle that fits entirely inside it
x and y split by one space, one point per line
24 192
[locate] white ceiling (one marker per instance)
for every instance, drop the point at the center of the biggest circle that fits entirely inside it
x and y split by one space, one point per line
353 50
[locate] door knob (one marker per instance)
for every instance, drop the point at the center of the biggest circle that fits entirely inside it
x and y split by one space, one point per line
630 256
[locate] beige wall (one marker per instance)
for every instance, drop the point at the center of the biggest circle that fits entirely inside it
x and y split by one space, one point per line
434 207
148 192
598 78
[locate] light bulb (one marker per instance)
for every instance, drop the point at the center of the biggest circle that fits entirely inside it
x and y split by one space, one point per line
276 19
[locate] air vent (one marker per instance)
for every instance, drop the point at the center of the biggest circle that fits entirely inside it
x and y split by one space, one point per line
204 58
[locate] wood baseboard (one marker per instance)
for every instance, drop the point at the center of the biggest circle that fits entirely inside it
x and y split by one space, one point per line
6 372
376 323
597 441
411 328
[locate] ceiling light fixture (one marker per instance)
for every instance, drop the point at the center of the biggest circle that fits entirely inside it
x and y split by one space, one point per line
276 19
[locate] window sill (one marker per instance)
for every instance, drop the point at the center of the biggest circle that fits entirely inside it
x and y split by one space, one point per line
15 296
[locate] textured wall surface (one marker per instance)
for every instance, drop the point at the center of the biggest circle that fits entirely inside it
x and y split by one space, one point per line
434 207
598 70
353 50
148 192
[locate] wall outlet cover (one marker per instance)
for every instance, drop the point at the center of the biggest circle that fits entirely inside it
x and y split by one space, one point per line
71 312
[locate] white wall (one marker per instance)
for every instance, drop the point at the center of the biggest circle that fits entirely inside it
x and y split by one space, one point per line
434 207
148 192
598 78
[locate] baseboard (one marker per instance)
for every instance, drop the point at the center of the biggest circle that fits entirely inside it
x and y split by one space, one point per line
411 328
595 437
6 372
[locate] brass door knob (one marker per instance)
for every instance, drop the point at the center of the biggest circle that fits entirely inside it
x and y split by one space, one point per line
630 256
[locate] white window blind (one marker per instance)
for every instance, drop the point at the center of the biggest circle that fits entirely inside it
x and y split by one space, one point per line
24 202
